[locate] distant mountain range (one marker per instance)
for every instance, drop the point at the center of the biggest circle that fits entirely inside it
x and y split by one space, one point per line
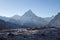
29 19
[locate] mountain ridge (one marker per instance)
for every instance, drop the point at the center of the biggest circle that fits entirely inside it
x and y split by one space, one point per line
55 21
29 19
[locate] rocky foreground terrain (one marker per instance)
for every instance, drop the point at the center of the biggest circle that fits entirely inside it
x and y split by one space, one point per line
44 33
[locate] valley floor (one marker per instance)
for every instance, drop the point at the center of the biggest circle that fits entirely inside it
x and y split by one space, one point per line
30 34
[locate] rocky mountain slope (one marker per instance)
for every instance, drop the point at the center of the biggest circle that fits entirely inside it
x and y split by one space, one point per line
55 21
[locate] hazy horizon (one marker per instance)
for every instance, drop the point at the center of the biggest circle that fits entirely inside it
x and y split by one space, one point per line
24 14
42 8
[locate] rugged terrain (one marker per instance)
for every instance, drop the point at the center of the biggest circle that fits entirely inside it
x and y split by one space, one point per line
43 33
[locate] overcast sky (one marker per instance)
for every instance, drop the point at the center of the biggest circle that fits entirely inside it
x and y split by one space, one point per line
42 8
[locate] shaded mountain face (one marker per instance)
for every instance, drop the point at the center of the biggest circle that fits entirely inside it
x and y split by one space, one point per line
7 25
55 21
29 19
3 24
4 18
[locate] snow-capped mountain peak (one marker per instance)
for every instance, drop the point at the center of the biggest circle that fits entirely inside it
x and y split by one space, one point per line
30 19
29 13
